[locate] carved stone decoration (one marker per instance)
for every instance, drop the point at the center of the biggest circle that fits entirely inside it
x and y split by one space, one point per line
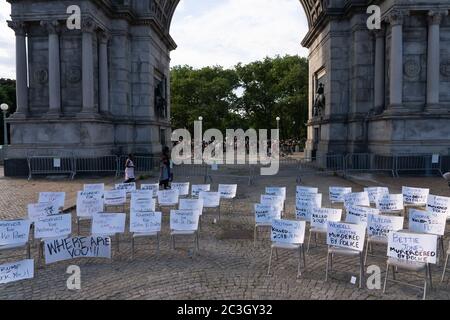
396 17
19 27
435 17
41 76
88 25
73 74
104 37
313 9
52 27
412 68
445 67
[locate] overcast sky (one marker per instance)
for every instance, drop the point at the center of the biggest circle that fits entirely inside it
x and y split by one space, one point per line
212 32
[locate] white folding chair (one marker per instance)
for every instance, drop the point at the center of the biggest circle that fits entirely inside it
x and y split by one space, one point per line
97 233
264 216
319 219
228 194
446 264
184 223
147 231
211 200
15 245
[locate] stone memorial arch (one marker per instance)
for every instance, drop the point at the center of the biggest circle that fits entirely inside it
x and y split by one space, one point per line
104 88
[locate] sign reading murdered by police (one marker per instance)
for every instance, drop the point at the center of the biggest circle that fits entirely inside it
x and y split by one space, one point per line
345 235
413 247
79 247
287 231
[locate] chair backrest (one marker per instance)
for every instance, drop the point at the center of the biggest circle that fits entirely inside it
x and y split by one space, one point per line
128 187
228 191
412 247
143 204
38 210
288 231
276 201
265 214
210 199
108 223
184 220
57 198
89 202
14 232
380 225
320 217
439 204
168 197
145 222
115 197
305 203
191 204
94 187
305 190
356 199
390 203
427 222
415 196
182 187
154 188
277 191
141 194
359 214
337 194
57 226
346 235
376 193
197 188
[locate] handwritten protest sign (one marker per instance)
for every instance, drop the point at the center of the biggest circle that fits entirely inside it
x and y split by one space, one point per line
306 204
390 203
359 215
210 199
154 188
265 214
184 220
197 188
439 204
115 197
274 201
100 187
145 222
228 191
356 199
376 193
427 222
14 232
56 198
128 187
287 231
305 190
143 205
39 210
168 197
89 202
413 247
141 195
53 227
415 196
337 194
345 235
108 223
380 226
320 217
16 271
195 205
277 191
182 187
79 247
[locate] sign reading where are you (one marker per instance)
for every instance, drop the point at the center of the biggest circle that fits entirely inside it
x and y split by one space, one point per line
344 235
16 271
413 247
287 231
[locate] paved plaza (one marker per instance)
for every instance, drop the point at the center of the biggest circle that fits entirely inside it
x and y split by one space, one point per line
228 265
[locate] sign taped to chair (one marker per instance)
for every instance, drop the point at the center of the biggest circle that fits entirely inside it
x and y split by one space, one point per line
192 204
380 225
184 220
53 227
128 187
154 188
375 193
265 214
337 194
79 247
427 222
14 232
300 190
413 247
358 214
40 210
287 231
182 187
277 191
197 188
345 235
210 199
108 223
89 202
168 197
16 271
320 217
356 199
415 196
145 222
390 203
115 197
439 204
228 191
56 198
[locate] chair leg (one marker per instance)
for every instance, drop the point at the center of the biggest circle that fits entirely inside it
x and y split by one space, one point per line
28 250
386 278
132 248
276 254
430 275
394 273
361 270
78 226
304 256
309 241
159 241
118 242
331 262
255 236
270 261
299 272
197 242
367 252
326 270
425 284
219 212
445 268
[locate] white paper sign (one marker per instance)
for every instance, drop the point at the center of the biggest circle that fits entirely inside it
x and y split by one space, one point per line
390 203
57 198
128 187
277 191
115 197
359 215
415 196
265 214
182 187
345 235
197 188
108 223
56 163
145 222
305 190
210 199
380 226
356 199
306 204
89 202
427 222
439 204
435 158
14 232
39 210
376 193
228 191
168 197
184 220
320 217
143 205
412 247
16 271
53 227
192 204
337 194
100 187
287 231
154 188
141 195
79 247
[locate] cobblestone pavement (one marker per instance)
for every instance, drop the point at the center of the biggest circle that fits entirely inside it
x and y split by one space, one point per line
228 265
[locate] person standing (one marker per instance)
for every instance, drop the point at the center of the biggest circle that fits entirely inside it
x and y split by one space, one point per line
129 169
165 169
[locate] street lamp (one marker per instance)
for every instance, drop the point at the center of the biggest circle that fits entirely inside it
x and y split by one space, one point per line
200 118
4 107
278 123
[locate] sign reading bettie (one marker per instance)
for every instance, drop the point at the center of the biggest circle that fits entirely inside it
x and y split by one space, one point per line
413 247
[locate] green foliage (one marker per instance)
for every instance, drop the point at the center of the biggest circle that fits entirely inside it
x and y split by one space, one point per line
8 96
247 96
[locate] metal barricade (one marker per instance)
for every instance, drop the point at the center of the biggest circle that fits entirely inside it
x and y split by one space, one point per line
417 163
97 165
230 171
51 165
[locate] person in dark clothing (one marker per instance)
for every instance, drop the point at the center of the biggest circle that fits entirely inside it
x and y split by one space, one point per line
165 175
